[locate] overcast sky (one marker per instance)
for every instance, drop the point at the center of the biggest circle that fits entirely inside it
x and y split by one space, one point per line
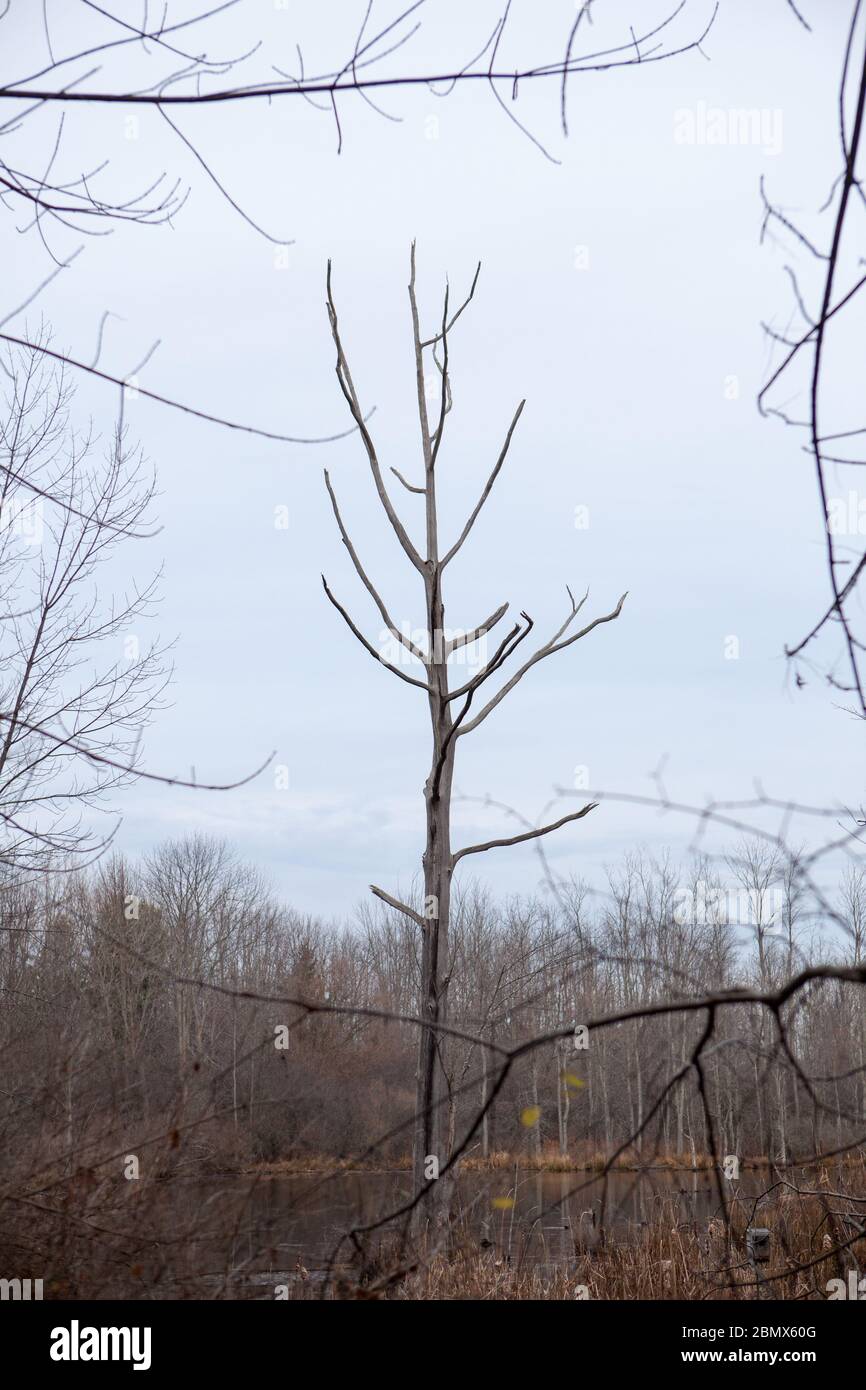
621 293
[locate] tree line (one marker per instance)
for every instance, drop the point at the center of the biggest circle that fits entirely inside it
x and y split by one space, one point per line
177 996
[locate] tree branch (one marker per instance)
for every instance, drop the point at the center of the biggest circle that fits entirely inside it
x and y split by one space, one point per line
489 484
165 400
468 637
527 834
400 907
368 646
368 585
431 342
554 645
344 376
410 487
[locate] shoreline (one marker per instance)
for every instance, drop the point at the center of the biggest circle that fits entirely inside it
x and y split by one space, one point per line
322 1165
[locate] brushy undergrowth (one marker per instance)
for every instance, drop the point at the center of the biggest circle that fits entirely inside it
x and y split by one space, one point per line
95 1238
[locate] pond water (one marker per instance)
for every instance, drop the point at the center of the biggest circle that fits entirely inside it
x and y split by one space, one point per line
283 1224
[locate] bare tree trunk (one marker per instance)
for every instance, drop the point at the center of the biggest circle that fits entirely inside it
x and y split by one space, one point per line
437 860
235 1064
485 1122
563 1097
535 1130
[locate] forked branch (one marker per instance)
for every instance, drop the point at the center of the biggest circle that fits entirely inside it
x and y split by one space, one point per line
347 386
554 645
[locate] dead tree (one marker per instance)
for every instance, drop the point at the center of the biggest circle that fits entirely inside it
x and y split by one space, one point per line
449 706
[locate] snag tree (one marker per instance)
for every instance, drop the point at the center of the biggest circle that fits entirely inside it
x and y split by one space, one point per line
455 711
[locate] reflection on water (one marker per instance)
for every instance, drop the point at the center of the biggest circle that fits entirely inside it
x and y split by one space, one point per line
283 1224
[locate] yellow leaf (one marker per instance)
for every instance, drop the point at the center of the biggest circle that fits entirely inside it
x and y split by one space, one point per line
502 1203
530 1116
574 1082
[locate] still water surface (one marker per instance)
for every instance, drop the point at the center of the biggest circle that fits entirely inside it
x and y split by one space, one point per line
287 1224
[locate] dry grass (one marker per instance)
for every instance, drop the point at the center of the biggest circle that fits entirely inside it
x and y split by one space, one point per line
316 1165
580 1159
668 1259
585 1160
